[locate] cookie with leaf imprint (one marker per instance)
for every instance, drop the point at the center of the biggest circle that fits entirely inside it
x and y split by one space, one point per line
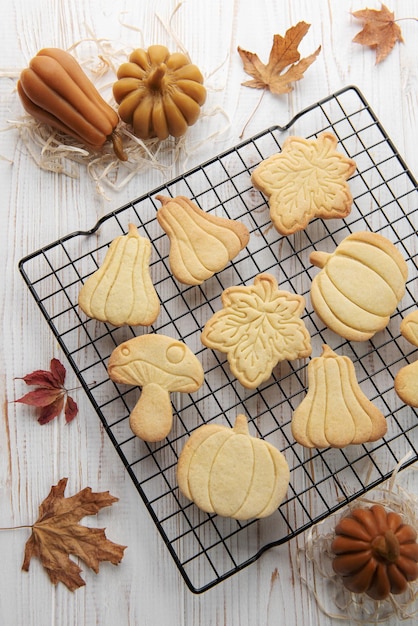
306 180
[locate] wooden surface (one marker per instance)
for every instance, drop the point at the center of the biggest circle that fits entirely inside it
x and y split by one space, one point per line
38 207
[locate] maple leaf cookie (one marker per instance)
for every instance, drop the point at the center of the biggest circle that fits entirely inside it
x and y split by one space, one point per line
306 180
258 327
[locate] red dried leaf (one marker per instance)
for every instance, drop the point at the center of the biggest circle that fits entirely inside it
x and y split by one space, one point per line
50 396
71 409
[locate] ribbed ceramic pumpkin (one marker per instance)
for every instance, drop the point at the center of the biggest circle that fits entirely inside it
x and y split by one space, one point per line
121 291
55 90
159 93
375 552
227 471
335 412
359 286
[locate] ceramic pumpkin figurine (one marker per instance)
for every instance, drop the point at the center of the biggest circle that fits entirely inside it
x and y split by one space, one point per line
375 552
227 471
159 93
359 286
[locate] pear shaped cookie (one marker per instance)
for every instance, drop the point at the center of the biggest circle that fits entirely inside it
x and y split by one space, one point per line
121 291
335 412
307 179
227 471
201 244
258 327
359 286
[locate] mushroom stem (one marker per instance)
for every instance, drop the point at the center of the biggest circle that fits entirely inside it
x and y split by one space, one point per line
152 416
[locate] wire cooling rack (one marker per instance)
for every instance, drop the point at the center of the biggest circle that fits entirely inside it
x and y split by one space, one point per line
207 548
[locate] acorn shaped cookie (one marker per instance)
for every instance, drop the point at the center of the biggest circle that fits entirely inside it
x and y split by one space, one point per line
359 286
227 471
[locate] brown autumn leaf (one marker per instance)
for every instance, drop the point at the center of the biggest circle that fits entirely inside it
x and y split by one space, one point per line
283 54
56 534
50 395
380 31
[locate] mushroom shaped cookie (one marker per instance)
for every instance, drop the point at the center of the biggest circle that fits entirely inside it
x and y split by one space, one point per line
160 365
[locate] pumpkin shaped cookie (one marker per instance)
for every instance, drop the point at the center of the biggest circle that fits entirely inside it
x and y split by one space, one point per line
335 412
159 93
359 286
307 179
406 380
201 244
258 327
121 291
227 471
375 552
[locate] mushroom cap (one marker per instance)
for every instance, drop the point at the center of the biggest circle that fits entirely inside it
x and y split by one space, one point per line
156 359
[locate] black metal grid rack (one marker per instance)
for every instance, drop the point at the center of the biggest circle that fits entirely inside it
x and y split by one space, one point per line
208 548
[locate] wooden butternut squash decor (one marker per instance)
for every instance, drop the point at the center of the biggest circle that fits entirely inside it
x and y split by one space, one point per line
201 244
121 291
335 412
55 90
227 471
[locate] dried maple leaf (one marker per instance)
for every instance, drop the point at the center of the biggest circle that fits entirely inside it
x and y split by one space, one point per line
50 395
380 31
258 326
56 534
284 54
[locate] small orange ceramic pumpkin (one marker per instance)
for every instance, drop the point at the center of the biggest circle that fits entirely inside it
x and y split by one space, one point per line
159 93
376 553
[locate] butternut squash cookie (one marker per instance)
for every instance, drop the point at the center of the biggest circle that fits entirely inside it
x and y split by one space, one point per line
335 412
359 286
307 179
406 380
201 244
227 471
121 291
258 326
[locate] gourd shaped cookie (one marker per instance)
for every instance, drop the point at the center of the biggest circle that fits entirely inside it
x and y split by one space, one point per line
227 471
121 291
406 380
258 326
335 412
375 552
359 286
307 179
160 365
201 244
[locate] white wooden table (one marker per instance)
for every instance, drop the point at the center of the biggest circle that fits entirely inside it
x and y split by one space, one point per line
38 207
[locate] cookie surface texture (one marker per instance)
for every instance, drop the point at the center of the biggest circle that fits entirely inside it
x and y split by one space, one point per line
227 471
406 380
335 412
258 327
359 286
160 365
306 180
121 291
201 244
